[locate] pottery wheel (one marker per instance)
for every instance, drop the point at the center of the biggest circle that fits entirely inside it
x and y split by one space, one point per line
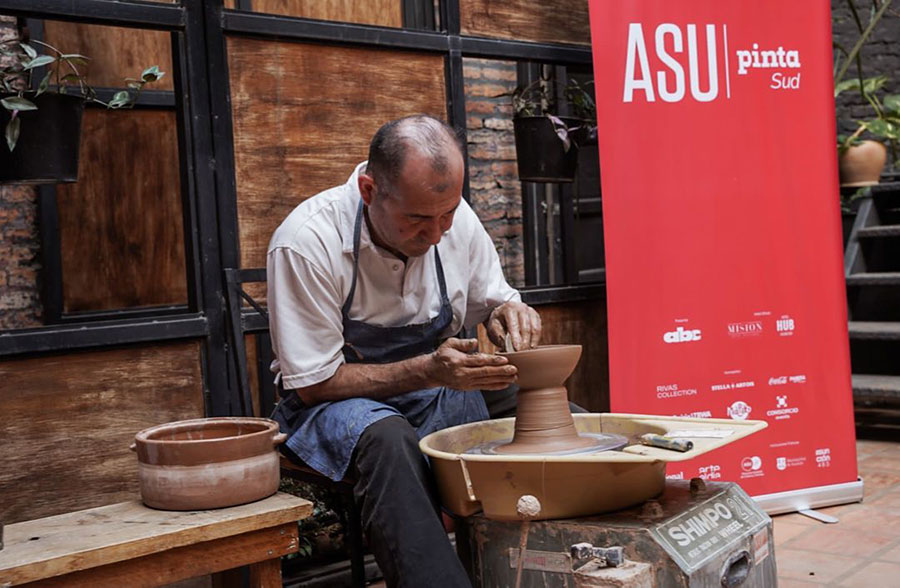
596 442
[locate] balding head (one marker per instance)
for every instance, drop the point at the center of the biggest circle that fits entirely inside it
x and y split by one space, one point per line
397 140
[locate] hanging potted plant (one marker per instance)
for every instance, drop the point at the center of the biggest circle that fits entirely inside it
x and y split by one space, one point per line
41 121
547 143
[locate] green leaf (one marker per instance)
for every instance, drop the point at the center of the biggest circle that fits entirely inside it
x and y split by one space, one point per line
73 78
76 59
120 100
12 132
883 128
45 83
29 50
892 103
39 61
846 85
152 74
73 56
872 85
17 103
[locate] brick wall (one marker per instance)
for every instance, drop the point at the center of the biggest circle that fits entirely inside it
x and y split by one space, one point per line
880 56
19 242
495 191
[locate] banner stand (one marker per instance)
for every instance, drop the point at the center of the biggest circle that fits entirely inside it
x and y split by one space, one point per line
725 287
810 498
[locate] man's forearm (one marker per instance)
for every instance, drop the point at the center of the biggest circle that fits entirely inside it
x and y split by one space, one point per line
370 380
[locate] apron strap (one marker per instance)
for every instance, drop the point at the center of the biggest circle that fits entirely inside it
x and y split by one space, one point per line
357 228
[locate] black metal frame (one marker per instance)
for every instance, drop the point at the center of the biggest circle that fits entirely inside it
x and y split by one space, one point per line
202 103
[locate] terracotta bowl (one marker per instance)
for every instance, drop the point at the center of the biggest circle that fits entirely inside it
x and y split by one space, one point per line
208 463
546 366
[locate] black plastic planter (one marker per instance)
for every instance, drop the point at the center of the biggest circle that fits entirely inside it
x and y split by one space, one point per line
47 150
540 153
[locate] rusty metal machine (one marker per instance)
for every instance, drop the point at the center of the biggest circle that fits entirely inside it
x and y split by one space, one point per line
695 534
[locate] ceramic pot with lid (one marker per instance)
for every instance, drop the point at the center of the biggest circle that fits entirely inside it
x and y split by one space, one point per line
208 463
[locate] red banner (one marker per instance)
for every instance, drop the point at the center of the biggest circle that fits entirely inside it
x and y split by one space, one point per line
723 241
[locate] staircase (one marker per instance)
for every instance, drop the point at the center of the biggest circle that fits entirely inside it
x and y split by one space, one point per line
872 269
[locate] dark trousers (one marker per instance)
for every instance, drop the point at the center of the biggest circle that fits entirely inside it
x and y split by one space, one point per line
398 499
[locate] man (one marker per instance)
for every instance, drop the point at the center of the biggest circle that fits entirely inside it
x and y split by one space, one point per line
367 284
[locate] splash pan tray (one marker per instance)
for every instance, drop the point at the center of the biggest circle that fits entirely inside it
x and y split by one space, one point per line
567 485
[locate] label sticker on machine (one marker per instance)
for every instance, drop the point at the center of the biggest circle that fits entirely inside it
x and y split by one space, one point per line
760 545
542 561
703 531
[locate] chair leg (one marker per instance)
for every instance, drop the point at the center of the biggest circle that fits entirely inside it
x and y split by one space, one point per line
355 538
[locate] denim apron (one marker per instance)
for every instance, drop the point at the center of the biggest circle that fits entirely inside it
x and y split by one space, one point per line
324 435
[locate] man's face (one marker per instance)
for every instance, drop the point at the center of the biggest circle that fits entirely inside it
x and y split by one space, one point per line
418 209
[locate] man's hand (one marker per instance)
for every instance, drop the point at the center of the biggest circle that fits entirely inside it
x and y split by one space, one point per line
522 322
453 365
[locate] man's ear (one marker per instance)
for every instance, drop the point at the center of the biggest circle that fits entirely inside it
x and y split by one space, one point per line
366 185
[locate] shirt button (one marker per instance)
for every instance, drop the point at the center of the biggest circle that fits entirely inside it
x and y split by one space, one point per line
396 267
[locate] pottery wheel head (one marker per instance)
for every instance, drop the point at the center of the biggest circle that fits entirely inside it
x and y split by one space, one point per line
546 366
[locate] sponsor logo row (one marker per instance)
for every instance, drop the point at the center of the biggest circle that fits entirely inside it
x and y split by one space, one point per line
753 466
673 390
784 326
741 410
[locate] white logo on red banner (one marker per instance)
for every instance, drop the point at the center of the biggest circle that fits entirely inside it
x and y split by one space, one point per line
751 466
745 329
710 472
732 385
782 411
784 326
739 410
673 391
682 335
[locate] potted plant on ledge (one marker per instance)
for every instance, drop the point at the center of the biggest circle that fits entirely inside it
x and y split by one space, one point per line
861 160
863 153
43 96
546 142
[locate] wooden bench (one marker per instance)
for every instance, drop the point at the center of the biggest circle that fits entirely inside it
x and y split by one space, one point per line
128 544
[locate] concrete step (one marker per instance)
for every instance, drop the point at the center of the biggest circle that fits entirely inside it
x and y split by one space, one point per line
871 390
881 330
874 279
879 232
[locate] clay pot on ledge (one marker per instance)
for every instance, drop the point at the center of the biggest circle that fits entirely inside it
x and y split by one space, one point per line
861 165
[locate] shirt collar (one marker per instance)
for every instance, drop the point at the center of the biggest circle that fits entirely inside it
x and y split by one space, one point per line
349 207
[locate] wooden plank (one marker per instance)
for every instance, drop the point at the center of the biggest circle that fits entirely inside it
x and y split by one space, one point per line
68 421
326 103
556 21
186 562
252 371
582 323
385 13
123 532
121 229
116 53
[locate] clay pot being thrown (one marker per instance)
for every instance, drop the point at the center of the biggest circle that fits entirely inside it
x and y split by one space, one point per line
208 463
544 422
